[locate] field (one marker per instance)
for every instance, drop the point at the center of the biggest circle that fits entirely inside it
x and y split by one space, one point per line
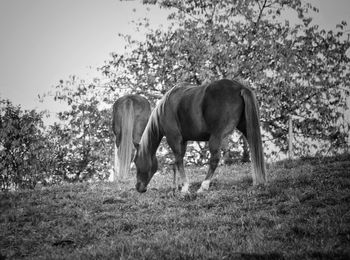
302 213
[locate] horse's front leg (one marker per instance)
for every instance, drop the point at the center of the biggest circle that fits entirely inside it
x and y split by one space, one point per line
184 182
214 148
179 148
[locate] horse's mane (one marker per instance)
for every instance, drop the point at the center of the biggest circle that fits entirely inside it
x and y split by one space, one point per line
153 127
153 130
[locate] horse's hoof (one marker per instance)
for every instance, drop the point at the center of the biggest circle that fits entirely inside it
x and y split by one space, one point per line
185 192
201 191
185 188
204 187
187 196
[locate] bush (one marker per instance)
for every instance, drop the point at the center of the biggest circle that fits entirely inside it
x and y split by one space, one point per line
22 146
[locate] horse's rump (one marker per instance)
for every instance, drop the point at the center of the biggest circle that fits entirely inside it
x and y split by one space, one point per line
130 116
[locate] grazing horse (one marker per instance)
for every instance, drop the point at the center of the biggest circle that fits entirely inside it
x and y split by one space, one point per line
200 113
130 116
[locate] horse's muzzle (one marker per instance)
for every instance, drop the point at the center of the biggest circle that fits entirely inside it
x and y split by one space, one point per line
141 187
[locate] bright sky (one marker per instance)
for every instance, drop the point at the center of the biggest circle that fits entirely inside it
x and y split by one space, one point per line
43 41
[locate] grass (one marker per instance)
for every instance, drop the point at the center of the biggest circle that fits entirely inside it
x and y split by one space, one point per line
302 213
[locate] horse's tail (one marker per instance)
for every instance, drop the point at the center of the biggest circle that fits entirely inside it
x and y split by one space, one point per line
126 144
254 135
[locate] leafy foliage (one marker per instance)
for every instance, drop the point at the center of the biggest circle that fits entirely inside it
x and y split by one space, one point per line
77 148
297 69
22 147
84 134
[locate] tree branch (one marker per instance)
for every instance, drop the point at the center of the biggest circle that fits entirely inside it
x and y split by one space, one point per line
261 8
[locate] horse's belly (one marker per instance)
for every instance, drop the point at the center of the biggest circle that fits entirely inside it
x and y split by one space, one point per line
193 134
200 137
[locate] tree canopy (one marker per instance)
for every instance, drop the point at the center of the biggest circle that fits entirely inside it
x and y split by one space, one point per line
297 69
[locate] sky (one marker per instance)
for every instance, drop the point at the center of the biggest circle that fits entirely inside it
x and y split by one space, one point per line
44 41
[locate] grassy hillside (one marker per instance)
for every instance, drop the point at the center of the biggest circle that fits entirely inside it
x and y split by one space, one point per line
302 213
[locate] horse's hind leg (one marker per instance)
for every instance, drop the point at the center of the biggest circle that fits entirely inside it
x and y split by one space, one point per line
214 148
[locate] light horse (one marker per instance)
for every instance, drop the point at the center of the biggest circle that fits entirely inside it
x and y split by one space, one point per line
129 119
200 113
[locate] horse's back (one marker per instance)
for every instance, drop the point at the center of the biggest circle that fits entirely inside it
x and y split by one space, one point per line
200 111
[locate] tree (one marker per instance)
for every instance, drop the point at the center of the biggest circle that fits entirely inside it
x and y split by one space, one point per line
298 70
83 137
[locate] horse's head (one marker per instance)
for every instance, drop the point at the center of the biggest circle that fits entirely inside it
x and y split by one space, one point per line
146 166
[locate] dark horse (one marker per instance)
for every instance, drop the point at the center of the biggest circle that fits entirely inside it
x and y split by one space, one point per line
200 113
130 116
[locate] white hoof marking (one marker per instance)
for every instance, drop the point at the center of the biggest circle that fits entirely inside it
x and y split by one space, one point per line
204 186
185 188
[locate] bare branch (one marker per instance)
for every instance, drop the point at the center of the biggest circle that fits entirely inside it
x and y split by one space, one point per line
261 10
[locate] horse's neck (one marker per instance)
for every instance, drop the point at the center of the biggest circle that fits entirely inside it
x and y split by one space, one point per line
151 138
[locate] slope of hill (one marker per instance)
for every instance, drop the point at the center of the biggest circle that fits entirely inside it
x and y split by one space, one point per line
302 213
